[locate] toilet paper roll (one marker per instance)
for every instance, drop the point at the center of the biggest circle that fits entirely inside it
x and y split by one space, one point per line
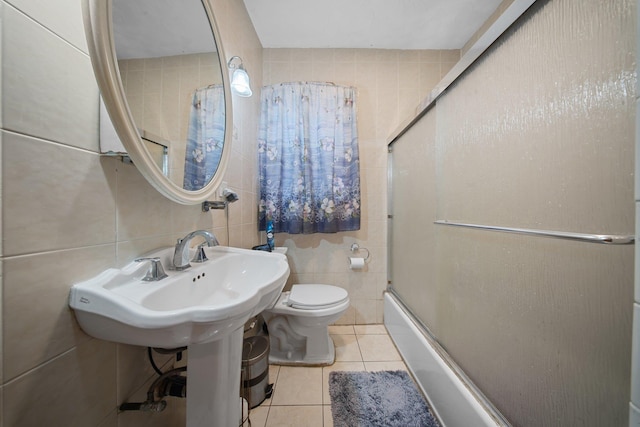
356 263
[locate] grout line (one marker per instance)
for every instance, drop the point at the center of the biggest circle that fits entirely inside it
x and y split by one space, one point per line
29 371
48 29
360 350
301 405
266 419
52 251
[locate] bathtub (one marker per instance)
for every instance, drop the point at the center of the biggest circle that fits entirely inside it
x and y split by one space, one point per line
453 398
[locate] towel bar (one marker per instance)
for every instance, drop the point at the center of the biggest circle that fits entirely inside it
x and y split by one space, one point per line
582 237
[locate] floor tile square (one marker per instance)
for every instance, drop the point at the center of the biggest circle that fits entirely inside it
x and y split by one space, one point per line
295 416
370 330
347 349
341 330
392 365
298 386
273 373
377 348
258 416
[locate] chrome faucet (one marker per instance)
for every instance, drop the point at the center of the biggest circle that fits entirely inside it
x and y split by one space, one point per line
181 255
155 272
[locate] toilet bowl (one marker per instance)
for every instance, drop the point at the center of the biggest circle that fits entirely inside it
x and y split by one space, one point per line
298 324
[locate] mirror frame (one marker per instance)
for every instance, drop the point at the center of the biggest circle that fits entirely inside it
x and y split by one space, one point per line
99 33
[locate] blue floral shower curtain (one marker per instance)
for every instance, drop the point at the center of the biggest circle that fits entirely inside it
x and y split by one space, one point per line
309 166
205 137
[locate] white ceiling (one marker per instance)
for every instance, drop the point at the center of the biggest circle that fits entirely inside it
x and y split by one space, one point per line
154 28
383 24
168 27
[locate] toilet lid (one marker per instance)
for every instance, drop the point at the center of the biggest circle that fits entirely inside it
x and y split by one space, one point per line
316 296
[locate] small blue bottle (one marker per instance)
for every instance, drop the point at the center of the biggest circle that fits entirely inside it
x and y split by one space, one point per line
269 230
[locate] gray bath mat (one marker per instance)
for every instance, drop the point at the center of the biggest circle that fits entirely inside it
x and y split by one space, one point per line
377 399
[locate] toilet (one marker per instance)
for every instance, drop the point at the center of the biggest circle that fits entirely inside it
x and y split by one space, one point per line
298 324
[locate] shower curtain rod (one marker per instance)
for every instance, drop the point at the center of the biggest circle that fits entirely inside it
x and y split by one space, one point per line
581 237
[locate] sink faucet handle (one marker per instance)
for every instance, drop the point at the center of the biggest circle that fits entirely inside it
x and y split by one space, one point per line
155 271
181 254
200 255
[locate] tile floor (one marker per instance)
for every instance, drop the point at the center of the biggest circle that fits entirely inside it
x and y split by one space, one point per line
301 394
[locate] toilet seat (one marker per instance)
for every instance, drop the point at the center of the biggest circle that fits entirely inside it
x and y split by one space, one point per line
314 297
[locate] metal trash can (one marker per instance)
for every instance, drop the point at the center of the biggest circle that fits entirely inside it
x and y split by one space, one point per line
255 370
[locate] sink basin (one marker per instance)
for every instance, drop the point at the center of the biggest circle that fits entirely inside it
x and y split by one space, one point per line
201 304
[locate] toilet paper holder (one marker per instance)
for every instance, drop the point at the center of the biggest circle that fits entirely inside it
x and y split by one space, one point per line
356 248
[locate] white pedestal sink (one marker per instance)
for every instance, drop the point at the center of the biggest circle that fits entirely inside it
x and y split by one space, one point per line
213 382
204 308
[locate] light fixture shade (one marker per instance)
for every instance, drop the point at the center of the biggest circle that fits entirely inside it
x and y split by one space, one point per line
240 82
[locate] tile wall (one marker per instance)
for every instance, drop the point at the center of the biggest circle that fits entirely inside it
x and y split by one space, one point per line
160 93
390 83
68 214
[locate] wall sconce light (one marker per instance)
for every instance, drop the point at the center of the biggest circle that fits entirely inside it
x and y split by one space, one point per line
240 80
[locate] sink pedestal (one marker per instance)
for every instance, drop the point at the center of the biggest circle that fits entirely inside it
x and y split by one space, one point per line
213 382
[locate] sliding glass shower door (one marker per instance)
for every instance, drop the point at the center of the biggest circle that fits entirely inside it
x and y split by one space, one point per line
538 135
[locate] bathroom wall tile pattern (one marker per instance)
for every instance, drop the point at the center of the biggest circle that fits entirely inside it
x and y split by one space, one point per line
142 211
63 18
390 85
76 388
160 91
82 209
68 214
37 331
54 83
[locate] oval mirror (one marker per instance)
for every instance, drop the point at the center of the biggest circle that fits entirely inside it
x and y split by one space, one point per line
162 75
